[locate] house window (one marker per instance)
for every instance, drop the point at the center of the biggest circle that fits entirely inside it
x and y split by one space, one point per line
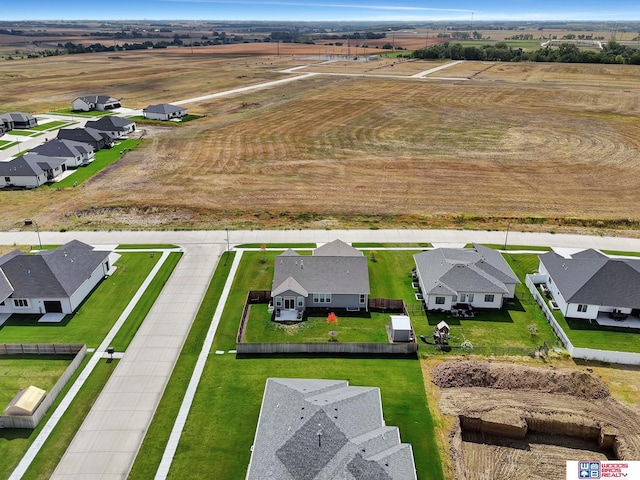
278 301
463 297
363 298
489 298
439 300
300 301
20 302
7 179
470 297
321 298
455 298
582 308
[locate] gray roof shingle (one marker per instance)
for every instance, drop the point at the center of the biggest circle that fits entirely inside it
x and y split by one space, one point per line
110 123
55 273
451 270
592 278
29 165
166 108
62 148
337 248
324 430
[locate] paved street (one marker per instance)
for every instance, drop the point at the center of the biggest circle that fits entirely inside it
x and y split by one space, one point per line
108 441
236 237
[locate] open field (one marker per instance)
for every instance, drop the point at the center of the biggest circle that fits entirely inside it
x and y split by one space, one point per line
518 142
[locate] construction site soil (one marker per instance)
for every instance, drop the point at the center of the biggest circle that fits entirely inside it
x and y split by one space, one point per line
519 422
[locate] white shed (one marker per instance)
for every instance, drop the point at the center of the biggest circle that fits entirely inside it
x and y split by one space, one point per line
26 401
400 328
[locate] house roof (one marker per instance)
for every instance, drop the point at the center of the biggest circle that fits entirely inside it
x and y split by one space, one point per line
20 116
325 429
449 271
592 278
164 108
98 99
337 248
110 123
290 285
322 273
83 135
29 165
6 289
62 148
53 273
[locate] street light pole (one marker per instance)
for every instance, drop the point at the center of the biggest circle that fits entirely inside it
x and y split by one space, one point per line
506 235
28 222
227 257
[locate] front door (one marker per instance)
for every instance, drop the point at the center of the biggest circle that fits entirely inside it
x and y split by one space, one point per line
289 303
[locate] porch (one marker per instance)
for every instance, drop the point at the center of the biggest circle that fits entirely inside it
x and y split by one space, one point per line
605 320
282 315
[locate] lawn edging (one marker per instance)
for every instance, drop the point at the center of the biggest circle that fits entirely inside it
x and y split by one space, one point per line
610 356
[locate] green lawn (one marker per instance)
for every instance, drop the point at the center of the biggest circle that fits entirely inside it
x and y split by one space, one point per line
4 144
496 246
221 425
354 327
93 113
587 335
390 245
618 252
23 133
91 322
51 125
145 246
20 371
103 159
283 246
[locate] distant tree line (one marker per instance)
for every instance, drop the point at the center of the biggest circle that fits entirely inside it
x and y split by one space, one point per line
612 52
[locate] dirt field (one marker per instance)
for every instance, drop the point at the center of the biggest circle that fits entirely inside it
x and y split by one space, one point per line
519 422
513 142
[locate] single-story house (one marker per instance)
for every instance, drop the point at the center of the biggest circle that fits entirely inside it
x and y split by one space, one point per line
478 276
116 127
7 122
336 276
95 102
22 120
589 283
75 153
164 111
52 281
30 171
97 139
325 429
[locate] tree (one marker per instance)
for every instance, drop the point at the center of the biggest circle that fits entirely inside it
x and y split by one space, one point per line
332 319
467 347
533 329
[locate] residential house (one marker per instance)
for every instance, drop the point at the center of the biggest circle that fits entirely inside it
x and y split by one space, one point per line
326 429
116 127
478 276
336 276
588 284
6 122
22 120
97 139
75 153
95 102
30 171
52 281
164 111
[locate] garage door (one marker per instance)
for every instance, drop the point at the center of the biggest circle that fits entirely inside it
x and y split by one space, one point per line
53 307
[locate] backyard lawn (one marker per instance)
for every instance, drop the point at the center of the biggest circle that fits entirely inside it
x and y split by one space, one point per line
586 335
20 371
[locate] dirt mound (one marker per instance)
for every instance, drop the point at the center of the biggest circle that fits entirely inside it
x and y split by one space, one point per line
517 377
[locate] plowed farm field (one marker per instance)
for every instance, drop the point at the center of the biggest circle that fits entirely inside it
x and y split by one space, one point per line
354 149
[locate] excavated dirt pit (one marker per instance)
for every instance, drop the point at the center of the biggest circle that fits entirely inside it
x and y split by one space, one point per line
516 422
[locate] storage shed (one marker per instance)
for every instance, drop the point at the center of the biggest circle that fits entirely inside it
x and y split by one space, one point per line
26 401
400 328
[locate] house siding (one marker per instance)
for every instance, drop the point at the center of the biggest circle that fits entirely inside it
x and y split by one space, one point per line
31 181
81 106
351 301
87 286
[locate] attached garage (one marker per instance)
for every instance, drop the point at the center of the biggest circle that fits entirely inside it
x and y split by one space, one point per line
53 306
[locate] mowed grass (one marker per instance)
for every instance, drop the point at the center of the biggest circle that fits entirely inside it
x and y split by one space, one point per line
21 371
584 334
91 322
50 126
103 159
221 426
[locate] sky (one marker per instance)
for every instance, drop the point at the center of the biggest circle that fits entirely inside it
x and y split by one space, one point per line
323 10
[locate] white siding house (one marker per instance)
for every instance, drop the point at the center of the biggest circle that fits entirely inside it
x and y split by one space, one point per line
95 102
164 111
30 171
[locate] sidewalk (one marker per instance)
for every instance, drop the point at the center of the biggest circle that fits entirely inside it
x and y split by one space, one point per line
108 441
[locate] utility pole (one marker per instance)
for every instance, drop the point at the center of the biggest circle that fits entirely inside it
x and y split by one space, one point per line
506 235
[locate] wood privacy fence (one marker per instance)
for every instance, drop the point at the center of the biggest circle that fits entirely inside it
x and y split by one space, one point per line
626 358
344 348
31 421
40 348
